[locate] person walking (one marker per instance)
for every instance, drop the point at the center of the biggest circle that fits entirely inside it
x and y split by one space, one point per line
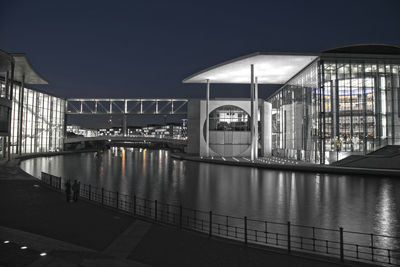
68 190
75 189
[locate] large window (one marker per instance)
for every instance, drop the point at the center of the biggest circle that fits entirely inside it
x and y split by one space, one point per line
229 131
37 121
229 118
295 122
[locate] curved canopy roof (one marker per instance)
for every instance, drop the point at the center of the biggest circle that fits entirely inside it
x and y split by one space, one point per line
381 49
269 68
24 68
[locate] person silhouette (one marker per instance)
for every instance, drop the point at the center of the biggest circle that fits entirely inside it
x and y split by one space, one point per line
68 190
75 189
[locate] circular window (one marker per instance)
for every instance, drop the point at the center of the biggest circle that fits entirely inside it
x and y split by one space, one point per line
229 130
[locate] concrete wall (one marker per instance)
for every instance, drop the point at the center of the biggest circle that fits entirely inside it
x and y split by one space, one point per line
193 126
266 128
223 143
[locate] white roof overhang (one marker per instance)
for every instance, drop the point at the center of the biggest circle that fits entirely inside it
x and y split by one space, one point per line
24 70
269 68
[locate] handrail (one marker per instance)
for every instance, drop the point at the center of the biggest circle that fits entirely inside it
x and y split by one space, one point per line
350 245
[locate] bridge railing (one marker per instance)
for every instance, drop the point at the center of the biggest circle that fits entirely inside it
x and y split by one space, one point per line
338 243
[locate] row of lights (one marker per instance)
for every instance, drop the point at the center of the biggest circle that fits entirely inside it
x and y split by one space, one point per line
271 160
278 161
25 247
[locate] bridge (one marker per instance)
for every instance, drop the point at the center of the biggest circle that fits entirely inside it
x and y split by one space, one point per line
126 106
127 141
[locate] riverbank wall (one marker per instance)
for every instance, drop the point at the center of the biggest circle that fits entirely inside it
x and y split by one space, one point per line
311 168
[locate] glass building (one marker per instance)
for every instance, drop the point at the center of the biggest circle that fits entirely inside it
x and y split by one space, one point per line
331 104
345 103
32 121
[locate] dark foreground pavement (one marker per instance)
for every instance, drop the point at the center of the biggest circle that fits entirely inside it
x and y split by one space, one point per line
85 234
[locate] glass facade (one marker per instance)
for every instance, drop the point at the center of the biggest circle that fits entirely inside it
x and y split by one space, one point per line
4 110
337 107
37 121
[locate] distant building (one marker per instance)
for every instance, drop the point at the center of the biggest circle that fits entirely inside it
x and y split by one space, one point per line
113 131
170 130
77 130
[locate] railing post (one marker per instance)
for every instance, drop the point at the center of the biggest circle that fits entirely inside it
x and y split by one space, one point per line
372 247
313 238
51 180
155 210
288 237
117 204
102 196
195 219
90 192
134 205
180 216
245 230
210 224
341 244
266 232
227 227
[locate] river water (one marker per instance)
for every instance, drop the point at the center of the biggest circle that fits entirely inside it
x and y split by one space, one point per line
359 203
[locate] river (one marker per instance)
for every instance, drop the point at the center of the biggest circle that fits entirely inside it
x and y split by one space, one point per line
359 203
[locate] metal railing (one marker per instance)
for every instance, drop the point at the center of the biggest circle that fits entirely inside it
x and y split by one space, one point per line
340 243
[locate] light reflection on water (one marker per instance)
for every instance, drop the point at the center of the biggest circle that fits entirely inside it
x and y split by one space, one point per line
366 204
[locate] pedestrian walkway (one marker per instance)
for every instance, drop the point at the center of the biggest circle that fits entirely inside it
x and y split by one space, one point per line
86 234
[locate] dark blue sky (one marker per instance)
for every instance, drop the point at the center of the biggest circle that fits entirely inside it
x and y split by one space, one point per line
145 48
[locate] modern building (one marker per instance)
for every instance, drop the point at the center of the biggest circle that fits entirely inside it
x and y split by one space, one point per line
79 131
169 130
31 120
332 104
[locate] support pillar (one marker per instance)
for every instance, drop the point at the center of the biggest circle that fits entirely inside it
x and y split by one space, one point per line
207 119
21 113
252 111
124 132
3 147
11 85
5 138
256 118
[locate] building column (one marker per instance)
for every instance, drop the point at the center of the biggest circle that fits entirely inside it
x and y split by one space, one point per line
252 111
11 85
256 118
4 144
21 113
207 119
266 125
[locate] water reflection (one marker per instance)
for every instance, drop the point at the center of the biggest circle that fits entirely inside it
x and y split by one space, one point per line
367 204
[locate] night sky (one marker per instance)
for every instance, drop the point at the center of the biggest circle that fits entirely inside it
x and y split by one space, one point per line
146 48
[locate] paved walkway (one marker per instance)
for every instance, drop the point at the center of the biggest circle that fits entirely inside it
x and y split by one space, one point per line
85 234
